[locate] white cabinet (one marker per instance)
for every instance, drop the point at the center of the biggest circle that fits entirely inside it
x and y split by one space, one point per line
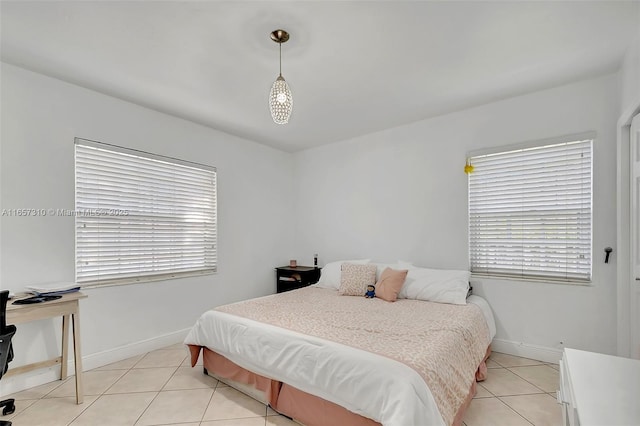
598 389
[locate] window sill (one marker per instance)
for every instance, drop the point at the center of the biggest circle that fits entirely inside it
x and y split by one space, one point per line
476 276
139 280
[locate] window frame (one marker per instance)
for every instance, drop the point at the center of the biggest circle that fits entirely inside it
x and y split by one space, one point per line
209 243
523 275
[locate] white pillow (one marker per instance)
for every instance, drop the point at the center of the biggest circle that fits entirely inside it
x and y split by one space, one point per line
436 285
398 266
332 271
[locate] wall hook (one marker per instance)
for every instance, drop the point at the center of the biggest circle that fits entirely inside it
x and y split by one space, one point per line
608 251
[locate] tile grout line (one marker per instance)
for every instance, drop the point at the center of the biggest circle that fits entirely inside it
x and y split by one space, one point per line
529 381
521 394
210 399
543 392
41 397
146 408
517 394
517 375
114 383
158 392
515 411
499 398
99 396
83 410
490 393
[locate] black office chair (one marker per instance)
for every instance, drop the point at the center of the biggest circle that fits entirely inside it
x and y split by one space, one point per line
6 352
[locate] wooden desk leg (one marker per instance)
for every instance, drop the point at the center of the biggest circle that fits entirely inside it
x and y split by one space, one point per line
78 358
65 347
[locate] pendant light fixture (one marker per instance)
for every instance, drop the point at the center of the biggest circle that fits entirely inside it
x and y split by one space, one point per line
280 100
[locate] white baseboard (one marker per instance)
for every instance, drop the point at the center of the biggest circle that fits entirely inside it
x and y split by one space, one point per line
540 353
109 356
13 384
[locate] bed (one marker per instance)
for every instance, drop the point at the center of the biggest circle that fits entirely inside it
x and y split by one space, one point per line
324 359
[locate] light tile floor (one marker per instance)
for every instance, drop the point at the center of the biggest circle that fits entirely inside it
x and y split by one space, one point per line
159 388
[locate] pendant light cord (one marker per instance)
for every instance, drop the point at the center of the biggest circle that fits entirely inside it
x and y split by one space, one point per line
280 44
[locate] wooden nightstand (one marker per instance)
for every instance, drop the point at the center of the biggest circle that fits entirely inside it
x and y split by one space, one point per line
288 278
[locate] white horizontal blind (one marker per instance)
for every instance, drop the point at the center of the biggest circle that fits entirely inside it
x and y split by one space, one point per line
530 212
141 216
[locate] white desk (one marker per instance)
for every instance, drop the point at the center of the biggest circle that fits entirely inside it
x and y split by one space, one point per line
598 389
68 308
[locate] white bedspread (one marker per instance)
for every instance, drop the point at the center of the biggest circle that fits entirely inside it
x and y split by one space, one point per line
486 311
391 392
386 390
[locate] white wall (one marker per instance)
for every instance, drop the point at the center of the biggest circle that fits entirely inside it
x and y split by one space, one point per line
630 76
40 118
401 194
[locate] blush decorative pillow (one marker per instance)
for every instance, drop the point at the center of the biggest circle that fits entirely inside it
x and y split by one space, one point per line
390 283
331 272
355 279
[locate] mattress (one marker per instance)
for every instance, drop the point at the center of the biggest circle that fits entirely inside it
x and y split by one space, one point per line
407 362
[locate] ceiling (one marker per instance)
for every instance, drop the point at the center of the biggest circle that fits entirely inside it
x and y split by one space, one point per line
353 67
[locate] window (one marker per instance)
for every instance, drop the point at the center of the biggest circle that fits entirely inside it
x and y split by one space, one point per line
530 211
142 217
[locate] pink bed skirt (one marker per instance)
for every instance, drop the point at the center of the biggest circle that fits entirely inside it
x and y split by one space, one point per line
307 409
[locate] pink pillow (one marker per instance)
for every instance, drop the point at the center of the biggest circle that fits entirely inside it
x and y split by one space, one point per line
390 283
